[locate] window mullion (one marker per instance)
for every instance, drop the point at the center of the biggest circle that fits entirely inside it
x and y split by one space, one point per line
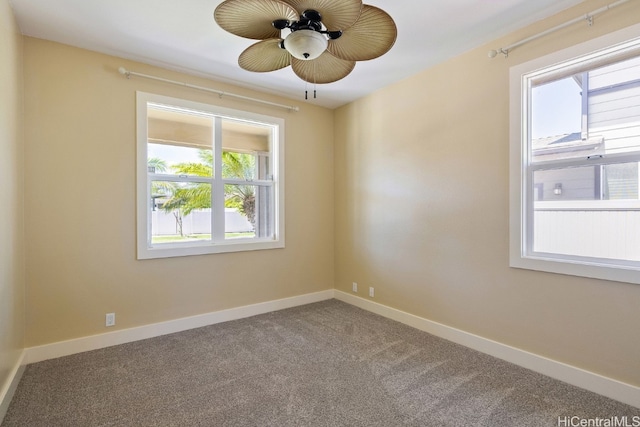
606 159
261 183
178 178
217 191
584 127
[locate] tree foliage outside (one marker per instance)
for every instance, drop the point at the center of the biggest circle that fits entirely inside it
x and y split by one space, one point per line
242 197
181 199
163 189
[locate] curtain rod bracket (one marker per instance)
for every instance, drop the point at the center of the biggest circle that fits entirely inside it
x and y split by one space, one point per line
494 53
124 72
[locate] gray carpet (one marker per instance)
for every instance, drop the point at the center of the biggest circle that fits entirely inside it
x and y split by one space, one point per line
323 364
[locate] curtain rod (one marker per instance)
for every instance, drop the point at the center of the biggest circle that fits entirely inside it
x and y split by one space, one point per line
587 17
128 74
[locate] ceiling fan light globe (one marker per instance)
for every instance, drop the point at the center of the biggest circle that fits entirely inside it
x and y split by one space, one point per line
305 44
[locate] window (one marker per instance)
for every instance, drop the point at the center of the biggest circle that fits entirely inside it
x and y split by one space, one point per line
209 179
575 156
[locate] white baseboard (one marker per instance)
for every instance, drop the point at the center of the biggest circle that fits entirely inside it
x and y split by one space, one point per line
10 385
94 342
617 390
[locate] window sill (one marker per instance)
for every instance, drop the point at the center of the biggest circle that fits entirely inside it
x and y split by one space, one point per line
583 268
205 248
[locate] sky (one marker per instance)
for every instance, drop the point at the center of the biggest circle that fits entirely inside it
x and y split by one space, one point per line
556 108
173 154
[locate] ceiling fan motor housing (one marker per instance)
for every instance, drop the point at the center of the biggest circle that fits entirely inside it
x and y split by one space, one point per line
305 44
306 40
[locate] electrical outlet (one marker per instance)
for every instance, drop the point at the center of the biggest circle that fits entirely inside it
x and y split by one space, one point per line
371 292
354 287
110 319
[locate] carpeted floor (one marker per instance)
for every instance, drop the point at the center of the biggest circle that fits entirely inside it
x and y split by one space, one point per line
323 364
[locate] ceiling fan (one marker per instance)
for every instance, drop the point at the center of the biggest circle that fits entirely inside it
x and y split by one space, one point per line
320 39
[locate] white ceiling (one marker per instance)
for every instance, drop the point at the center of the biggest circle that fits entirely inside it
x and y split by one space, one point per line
182 35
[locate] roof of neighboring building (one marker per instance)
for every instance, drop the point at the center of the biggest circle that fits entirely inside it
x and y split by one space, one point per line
557 146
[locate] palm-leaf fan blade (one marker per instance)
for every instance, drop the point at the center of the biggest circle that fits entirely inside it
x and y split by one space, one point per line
370 37
336 14
324 69
264 56
253 19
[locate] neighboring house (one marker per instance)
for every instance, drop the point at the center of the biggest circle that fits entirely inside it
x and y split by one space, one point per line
562 184
600 196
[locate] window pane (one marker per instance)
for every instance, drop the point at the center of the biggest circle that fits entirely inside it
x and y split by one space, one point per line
248 211
590 211
177 160
244 136
595 112
238 165
556 109
180 142
264 212
620 181
246 148
180 212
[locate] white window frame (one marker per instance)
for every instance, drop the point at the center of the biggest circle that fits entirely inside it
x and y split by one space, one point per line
595 51
147 250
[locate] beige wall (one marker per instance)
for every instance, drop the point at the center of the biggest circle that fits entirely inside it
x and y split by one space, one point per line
80 204
12 287
421 172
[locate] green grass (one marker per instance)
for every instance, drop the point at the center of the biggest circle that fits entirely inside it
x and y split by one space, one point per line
172 238
239 235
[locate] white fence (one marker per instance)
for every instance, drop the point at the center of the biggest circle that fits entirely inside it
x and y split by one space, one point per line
197 222
600 229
